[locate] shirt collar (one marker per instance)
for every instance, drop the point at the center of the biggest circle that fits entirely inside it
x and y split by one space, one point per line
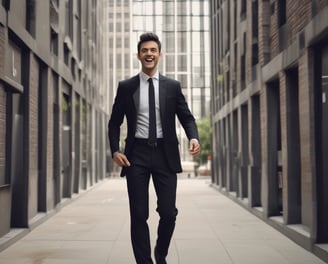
145 77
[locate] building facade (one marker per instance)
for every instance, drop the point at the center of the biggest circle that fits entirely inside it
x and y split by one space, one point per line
269 104
53 108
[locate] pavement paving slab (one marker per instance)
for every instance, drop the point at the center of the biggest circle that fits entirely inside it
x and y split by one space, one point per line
210 229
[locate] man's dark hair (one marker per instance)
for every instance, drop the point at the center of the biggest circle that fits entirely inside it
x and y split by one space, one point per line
149 36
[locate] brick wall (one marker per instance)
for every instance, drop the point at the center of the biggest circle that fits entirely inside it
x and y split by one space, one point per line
264 32
307 129
274 34
50 149
323 4
2 132
2 49
33 113
2 106
299 14
33 127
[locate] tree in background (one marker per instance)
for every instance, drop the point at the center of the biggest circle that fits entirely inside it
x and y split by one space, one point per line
205 137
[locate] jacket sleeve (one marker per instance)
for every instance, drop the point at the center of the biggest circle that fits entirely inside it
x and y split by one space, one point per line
116 120
185 116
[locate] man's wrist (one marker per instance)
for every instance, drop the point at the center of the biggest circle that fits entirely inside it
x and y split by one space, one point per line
115 153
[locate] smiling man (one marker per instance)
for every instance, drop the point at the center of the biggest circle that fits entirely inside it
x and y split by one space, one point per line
151 102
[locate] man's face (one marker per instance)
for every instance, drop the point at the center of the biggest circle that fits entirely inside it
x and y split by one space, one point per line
149 55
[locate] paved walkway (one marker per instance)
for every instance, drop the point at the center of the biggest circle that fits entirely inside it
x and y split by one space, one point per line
211 229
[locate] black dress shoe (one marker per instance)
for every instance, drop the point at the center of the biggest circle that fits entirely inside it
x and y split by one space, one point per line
159 258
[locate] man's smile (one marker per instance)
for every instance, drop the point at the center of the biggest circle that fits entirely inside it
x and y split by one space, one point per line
149 59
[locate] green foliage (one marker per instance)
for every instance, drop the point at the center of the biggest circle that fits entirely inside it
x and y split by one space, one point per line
65 104
205 137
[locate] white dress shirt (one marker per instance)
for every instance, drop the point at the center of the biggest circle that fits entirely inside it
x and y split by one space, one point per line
143 111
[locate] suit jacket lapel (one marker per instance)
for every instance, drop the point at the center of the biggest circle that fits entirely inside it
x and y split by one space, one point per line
135 85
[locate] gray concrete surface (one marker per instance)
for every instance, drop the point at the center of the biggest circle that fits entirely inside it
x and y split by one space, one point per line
211 229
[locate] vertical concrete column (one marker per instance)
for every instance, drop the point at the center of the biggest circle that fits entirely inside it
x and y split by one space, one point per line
50 184
307 137
264 150
33 134
283 116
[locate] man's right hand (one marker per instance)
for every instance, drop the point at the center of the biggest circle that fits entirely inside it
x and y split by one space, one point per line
121 160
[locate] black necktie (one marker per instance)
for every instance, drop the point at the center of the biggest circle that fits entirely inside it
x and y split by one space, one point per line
152 111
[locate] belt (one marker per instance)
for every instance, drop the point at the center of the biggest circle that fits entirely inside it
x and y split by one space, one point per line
153 143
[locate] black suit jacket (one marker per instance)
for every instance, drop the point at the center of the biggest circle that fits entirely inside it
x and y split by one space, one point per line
172 104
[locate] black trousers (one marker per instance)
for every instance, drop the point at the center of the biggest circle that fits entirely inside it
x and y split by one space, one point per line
149 161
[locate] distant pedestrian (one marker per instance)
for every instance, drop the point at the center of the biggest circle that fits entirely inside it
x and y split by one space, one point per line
150 102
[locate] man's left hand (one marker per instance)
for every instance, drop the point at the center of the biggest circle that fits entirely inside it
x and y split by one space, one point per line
194 147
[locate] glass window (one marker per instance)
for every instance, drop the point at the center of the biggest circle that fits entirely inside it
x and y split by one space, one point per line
181 7
135 63
158 8
196 23
196 92
111 60
182 23
170 64
137 8
118 27
148 23
110 43
126 61
182 42
185 93
127 42
197 77
169 23
170 75
182 62
183 79
195 8
138 23
158 25
206 8
169 42
196 38
168 7
118 61
118 43
206 25
196 107
148 8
